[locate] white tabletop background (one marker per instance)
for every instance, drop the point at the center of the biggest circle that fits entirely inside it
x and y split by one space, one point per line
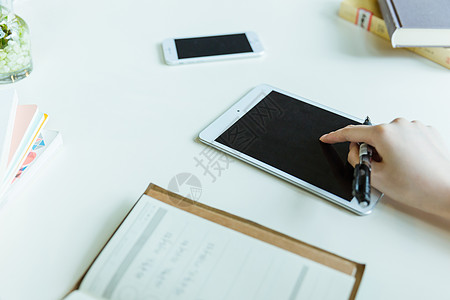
128 119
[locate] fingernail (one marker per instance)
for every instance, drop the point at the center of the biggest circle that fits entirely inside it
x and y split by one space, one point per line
323 136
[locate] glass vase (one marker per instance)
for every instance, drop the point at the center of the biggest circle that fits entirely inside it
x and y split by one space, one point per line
15 46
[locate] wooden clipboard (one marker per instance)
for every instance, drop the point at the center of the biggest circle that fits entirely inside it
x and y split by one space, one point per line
254 230
262 233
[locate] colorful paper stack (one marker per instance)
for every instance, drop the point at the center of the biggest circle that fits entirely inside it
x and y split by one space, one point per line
24 145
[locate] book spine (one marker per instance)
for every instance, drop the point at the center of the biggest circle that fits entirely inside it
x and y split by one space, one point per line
377 26
363 18
388 16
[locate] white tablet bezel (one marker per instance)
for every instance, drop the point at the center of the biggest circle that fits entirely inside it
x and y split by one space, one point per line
171 56
240 108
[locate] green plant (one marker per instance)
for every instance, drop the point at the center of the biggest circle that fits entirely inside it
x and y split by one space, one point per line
5 34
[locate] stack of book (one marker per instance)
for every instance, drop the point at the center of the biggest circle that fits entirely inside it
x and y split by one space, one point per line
408 24
24 143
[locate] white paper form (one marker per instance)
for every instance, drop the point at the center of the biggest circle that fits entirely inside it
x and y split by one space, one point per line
161 252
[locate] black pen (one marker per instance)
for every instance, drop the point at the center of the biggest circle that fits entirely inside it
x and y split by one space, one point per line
361 175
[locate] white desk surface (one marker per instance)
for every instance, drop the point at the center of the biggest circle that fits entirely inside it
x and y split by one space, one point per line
128 119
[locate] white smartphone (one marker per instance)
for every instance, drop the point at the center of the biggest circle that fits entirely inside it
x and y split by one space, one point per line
279 132
211 48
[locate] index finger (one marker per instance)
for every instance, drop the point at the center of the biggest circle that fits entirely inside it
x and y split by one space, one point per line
351 133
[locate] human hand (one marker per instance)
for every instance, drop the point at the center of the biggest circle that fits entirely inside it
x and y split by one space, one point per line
412 164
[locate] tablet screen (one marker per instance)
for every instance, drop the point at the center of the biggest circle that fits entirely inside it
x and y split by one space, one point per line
284 132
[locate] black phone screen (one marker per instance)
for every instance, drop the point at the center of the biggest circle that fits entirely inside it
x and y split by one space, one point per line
284 132
212 45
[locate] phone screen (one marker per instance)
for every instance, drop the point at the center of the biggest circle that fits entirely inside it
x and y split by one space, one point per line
284 132
212 45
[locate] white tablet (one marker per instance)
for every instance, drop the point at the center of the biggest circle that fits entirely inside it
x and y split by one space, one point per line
279 133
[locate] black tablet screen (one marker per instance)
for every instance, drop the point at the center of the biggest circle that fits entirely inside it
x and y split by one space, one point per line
284 132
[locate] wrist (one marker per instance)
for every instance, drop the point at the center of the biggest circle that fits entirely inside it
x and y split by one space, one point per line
443 196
